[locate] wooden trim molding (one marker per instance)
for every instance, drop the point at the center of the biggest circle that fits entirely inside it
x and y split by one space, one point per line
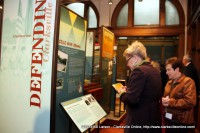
148 31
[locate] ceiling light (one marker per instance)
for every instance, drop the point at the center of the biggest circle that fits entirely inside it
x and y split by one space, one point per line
110 2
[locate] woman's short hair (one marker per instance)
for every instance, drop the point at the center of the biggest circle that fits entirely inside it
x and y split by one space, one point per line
136 48
176 63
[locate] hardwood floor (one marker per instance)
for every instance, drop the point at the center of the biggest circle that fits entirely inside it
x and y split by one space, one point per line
117 119
111 129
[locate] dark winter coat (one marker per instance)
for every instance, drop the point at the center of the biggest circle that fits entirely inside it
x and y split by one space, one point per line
143 100
191 71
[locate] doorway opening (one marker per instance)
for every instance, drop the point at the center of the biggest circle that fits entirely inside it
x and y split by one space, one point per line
159 48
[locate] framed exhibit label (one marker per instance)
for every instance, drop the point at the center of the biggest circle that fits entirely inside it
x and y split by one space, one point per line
84 111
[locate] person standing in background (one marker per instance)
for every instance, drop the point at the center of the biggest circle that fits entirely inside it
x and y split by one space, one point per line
191 71
142 95
155 64
179 98
162 70
164 76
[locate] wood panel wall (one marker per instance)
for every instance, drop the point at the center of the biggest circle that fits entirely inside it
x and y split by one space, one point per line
193 38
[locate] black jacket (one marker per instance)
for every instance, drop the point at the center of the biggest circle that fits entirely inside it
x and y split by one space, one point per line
191 71
142 99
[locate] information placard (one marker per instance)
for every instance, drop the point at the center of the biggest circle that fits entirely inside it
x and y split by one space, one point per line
84 111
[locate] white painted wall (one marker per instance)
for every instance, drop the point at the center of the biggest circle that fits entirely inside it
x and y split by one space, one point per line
105 10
